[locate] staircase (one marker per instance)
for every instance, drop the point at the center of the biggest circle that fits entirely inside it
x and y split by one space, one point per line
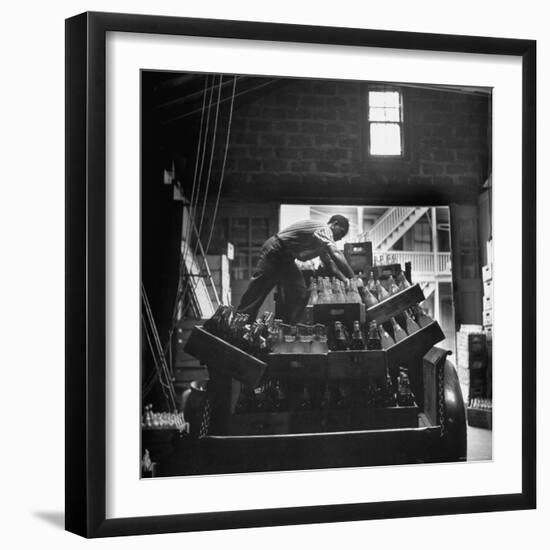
392 225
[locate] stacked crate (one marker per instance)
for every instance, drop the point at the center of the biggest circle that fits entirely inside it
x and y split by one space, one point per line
487 275
308 381
471 361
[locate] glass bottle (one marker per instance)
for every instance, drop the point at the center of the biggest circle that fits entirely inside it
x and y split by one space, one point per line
275 336
319 343
305 337
401 281
381 292
404 393
385 339
355 283
398 333
411 325
369 298
389 394
373 337
295 343
348 291
392 286
340 340
288 338
313 293
357 340
422 319
371 284
327 292
338 295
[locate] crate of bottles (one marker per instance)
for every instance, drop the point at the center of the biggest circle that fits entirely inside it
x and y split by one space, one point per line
280 406
224 356
331 300
346 313
394 304
415 344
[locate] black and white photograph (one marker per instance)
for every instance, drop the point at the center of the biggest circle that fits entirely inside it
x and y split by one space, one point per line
316 273
274 274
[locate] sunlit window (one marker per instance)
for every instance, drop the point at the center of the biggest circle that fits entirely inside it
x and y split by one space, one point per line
385 122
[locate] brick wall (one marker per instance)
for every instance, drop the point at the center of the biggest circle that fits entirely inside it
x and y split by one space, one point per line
304 133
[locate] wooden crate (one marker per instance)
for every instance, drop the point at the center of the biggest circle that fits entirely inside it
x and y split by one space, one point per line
268 423
395 305
480 418
354 365
301 366
328 314
415 345
225 358
359 256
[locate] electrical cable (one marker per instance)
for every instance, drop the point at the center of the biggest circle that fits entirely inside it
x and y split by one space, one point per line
212 149
186 224
222 174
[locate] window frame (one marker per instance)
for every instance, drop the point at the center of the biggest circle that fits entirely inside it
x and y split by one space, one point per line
374 87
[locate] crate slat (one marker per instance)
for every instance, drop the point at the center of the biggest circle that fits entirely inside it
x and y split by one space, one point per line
394 305
416 344
328 314
357 364
301 366
224 357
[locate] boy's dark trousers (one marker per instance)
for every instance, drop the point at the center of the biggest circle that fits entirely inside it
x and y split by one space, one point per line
275 267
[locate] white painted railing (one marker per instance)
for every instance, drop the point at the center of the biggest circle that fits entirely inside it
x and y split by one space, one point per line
421 262
386 224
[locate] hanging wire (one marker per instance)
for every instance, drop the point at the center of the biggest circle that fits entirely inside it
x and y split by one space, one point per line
186 224
193 207
222 174
158 354
212 149
190 280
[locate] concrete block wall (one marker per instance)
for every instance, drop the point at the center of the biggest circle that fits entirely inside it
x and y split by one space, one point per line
304 132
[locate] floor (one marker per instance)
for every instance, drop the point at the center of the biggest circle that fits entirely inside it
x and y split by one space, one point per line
480 443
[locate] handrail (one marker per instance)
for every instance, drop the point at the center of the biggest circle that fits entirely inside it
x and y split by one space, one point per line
389 222
422 262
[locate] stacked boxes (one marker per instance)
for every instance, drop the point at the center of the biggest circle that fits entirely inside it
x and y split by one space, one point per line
471 346
487 276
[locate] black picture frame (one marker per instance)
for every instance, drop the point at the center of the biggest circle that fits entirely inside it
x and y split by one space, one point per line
86 267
